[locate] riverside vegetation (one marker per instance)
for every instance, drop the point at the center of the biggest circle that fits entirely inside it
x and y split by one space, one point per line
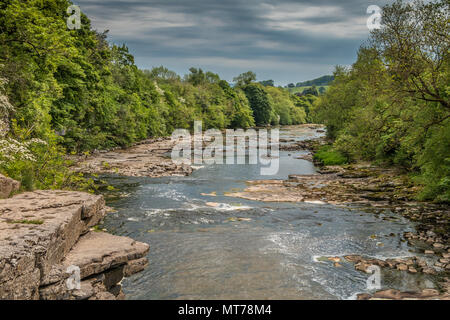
71 91
392 105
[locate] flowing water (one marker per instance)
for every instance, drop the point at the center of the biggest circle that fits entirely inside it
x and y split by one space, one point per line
217 247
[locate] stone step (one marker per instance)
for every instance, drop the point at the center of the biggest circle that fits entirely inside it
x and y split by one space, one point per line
102 260
37 230
97 252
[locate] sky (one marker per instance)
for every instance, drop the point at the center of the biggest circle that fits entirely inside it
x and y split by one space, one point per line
284 40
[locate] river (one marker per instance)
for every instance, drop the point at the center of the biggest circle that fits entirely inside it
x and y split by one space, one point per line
217 247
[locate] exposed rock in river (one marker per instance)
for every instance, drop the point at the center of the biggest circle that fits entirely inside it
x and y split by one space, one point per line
302 145
146 159
43 233
379 190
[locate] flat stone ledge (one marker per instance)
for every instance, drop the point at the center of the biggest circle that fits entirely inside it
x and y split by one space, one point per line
43 233
97 252
37 230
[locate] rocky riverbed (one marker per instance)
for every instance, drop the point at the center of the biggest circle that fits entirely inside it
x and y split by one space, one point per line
373 188
146 159
43 233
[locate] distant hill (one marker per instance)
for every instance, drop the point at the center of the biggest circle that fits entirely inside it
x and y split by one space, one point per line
322 81
314 90
306 87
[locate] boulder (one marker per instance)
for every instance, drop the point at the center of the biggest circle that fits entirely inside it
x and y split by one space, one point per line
43 233
388 294
391 294
402 267
7 186
363 296
97 252
428 293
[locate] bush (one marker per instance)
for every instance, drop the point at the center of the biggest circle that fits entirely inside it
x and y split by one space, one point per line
392 105
327 156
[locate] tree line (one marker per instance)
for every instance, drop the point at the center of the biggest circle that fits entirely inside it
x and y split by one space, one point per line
71 91
392 105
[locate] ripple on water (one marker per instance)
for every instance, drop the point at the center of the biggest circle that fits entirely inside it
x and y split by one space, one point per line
199 251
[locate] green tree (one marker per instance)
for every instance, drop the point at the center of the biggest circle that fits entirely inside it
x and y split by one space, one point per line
413 43
391 106
259 102
162 73
245 78
284 107
267 83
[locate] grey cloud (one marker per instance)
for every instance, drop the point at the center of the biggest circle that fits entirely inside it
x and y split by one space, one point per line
230 36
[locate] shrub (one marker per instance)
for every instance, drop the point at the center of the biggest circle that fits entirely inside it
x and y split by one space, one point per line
327 156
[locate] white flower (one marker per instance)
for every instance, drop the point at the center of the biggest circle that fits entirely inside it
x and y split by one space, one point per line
11 149
158 89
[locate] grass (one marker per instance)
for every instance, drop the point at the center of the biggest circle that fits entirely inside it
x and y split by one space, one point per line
98 228
105 165
329 157
25 221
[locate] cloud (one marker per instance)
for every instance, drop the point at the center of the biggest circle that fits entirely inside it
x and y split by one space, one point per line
321 21
286 40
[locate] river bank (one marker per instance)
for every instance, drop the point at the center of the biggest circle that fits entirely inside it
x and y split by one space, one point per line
310 233
285 237
51 250
378 189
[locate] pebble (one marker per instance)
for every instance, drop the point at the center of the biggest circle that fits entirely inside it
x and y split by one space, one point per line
429 270
430 292
402 267
409 262
422 263
335 259
412 270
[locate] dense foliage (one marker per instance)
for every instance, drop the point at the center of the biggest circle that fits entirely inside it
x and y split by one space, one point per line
274 106
393 104
327 156
72 91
